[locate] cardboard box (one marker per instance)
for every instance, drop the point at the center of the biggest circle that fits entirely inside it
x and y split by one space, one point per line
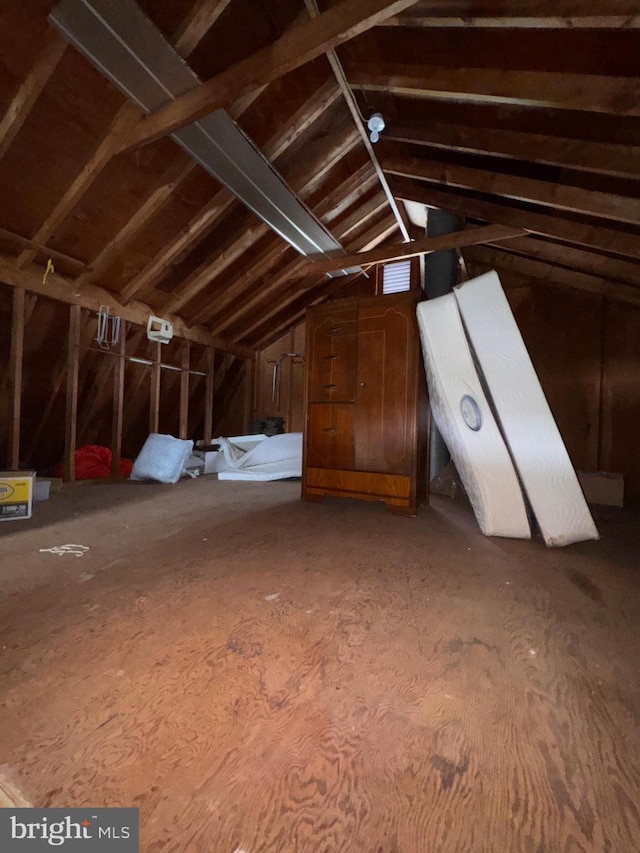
214 459
600 487
16 494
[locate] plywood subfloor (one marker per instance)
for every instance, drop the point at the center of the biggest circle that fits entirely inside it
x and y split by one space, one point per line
260 674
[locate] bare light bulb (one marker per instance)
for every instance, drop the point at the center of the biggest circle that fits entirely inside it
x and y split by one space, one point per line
376 126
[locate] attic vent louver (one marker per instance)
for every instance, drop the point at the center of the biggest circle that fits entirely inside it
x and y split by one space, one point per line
396 277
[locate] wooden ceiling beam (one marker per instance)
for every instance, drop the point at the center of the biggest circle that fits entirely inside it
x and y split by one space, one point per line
352 191
262 302
527 8
589 235
30 89
363 213
591 92
601 157
238 291
310 112
166 186
295 310
24 243
544 20
195 26
558 196
270 301
356 116
298 300
311 170
542 271
120 127
299 45
231 250
217 207
200 224
125 120
592 263
456 240
237 245
177 172
61 289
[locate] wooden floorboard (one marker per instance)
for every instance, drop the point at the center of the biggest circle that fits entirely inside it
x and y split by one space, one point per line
260 674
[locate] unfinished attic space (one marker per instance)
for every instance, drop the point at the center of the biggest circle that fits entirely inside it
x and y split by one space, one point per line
320 393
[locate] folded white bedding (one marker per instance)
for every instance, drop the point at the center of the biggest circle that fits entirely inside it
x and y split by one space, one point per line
278 454
283 470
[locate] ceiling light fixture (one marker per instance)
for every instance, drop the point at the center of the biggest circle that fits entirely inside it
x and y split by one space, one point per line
376 125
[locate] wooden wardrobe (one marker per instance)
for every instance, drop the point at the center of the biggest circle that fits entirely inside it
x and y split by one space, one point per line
366 410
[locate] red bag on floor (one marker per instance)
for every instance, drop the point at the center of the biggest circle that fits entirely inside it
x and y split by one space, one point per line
126 467
94 461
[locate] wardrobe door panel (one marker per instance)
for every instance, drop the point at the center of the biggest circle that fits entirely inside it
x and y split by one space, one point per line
385 393
332 364
330 438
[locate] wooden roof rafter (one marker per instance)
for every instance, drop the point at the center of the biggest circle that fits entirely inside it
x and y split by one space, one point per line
298 46
30 89
602 157
206 218
553 89
576 230
284 287
539 270
298 299
240 291
121 126
619 208
60 288
301 183
608 268
456 240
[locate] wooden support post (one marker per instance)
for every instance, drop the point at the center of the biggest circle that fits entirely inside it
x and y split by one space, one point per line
154 394
208 396
118 401
73 370
15 376
185 352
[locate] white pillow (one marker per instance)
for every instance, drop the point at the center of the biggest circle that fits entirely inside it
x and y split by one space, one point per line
162 458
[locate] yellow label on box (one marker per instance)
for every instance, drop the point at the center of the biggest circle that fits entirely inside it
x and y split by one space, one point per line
15 491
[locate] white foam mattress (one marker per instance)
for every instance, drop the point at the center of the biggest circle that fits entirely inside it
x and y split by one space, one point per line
457 400
528 425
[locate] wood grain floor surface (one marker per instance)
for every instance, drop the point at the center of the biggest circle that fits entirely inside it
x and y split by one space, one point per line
327 678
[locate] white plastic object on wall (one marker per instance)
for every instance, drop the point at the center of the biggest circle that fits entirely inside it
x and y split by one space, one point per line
159 330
